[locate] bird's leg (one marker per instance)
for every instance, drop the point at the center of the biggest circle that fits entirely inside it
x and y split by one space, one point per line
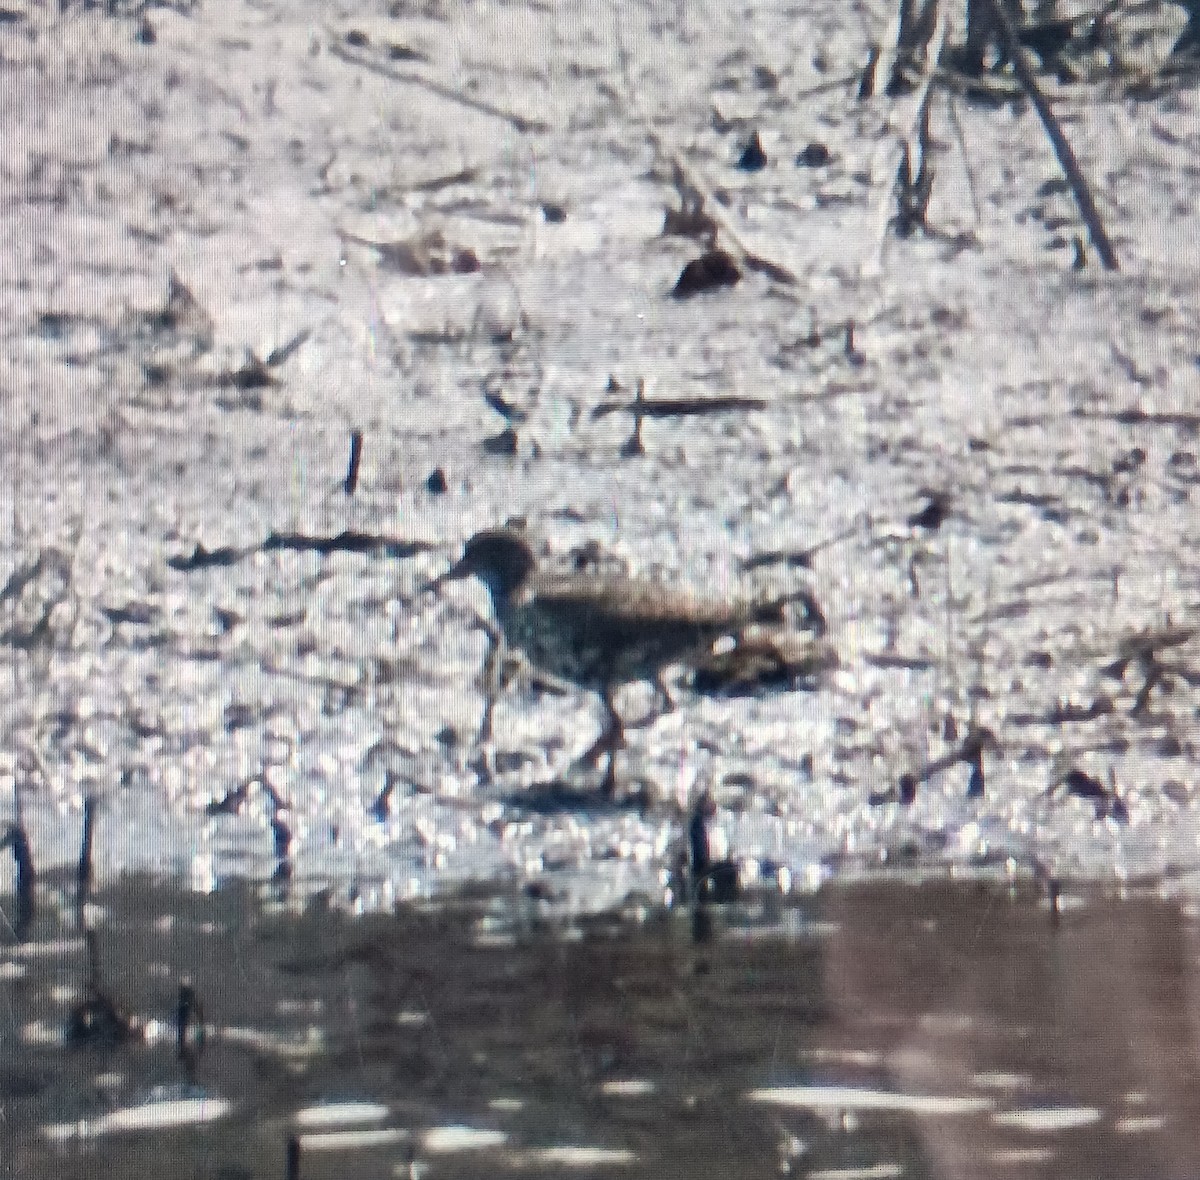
662 699
611 739
492 681
499 667
608 787
664 695
616 731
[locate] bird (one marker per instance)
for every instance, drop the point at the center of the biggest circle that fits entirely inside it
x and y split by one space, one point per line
597 631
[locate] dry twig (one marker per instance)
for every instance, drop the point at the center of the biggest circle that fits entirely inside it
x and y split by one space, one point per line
1058 140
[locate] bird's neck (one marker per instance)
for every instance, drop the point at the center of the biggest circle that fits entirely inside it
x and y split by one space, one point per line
506 578
500 588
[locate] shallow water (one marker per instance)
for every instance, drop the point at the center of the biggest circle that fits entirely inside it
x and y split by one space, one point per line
946 1029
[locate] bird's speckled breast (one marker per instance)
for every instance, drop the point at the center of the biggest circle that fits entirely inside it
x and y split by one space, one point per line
566 651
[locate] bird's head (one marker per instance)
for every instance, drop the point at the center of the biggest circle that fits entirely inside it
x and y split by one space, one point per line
500 558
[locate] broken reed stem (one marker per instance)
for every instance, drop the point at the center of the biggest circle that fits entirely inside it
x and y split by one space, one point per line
918 134
913 142
350 484
84 871
961 137
17 839
1058 140
687 178
520 123
680 407
889 54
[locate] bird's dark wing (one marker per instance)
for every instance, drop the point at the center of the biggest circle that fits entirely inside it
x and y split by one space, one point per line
629 606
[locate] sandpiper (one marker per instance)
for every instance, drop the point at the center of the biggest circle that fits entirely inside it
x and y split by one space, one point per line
598 631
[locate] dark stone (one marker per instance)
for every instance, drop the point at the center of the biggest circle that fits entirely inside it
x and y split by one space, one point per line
753 158
706 273
933 513
765 78
504 443
1080 783
814 155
